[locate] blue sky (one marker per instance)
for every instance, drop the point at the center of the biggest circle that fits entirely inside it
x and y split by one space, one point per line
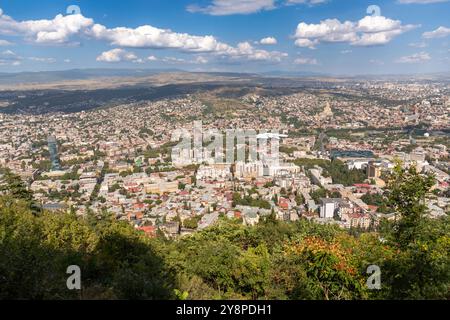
326 36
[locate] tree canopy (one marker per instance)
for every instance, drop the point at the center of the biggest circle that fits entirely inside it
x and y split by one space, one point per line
271 260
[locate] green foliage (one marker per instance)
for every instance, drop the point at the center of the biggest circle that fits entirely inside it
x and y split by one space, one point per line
192 223
319 193
407 191
299 199
71 175
249 201
376 200
421 268
14 186
335 169
271 260
288 150
116 261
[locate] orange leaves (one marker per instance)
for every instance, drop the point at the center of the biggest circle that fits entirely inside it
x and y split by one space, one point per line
314 248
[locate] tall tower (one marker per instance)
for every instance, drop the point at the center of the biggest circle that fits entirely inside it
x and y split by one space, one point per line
53 149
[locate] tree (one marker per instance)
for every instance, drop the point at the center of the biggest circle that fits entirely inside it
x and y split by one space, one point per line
421 266
407 191
299 199
271 260
192 223
318 194
116 261
317 269
252 273
14 186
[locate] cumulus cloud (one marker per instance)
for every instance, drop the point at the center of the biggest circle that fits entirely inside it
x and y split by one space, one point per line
306 43
61 29
117 55
415 58
229 7
268 41
246 51
151 37
55 31
369 31
440 32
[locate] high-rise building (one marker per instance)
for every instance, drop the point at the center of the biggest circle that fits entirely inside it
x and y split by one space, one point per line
53 149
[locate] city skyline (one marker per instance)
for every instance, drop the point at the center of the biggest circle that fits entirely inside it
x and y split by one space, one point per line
319 36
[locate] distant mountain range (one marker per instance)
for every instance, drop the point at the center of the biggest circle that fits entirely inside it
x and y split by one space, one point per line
301 74
86 74
76 74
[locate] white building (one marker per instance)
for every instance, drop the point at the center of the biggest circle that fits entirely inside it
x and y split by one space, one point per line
328 207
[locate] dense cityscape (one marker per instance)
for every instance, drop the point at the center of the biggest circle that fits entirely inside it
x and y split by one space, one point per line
335 153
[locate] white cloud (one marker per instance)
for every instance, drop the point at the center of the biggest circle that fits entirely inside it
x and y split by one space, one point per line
229 7
346 51
117 55
61 29
369 31
421 1
152 58
306 43
309 61
330 30
67 60
268 41
151 37
440 32
55 31
246 51
415 58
